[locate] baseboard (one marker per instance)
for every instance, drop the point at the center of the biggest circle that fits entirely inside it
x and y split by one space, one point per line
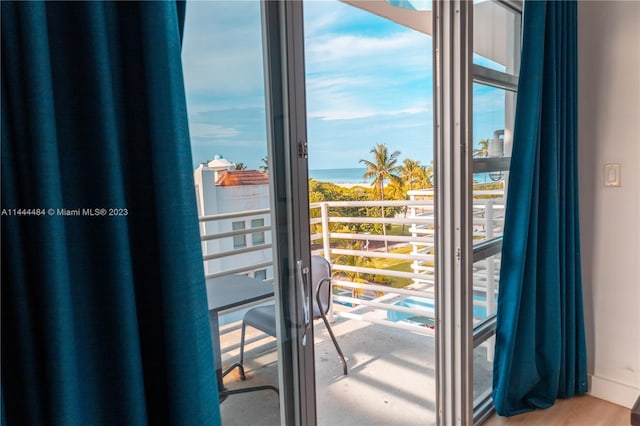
635 413
609 390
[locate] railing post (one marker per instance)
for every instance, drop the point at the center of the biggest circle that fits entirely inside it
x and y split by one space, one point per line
324 214
491 285
414 247
326 246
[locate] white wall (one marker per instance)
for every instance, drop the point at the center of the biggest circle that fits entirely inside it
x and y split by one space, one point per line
609 132
239 198
213 199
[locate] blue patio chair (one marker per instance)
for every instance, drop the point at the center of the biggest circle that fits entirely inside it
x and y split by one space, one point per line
264 317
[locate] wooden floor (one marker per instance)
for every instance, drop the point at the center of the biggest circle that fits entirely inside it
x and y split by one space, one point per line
579 411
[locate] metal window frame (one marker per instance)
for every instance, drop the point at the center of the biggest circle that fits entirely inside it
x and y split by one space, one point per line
239 236
283 50
483 408
453 147
494 78
487 249
454 76
487 165
516 6
258 236
484 330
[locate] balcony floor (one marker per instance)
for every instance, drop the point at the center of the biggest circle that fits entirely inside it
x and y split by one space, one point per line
391 378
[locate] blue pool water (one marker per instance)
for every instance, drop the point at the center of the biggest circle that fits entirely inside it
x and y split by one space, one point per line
427 306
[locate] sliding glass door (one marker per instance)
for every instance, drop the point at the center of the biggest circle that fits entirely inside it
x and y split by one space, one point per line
242 62
415 263
478 55
368 71
284 65
496 63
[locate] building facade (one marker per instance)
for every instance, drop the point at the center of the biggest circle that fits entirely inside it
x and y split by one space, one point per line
240 196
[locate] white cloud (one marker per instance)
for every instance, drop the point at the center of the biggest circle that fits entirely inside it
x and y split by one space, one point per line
319 19
368 81
222 47
347 113
336 98
345 98
332 47
207 130
488 99
238 72
360 65
328 82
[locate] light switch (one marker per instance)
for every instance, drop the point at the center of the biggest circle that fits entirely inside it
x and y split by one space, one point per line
612 174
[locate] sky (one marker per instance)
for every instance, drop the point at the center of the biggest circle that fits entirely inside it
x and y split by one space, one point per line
368 81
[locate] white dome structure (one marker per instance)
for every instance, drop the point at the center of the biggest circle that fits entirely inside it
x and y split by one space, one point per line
219 163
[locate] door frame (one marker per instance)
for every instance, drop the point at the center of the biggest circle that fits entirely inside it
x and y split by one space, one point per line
454 73
452 42
454 76
283 50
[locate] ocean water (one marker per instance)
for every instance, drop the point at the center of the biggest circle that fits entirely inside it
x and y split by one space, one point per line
349 175
354 175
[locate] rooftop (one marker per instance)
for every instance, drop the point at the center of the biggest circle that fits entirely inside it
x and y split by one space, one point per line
241 177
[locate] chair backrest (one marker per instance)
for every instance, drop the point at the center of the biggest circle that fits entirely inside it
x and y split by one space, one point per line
321 273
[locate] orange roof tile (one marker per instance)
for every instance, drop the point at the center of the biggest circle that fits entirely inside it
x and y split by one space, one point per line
242 177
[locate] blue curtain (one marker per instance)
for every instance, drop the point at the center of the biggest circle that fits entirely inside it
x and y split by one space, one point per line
540 345
104 312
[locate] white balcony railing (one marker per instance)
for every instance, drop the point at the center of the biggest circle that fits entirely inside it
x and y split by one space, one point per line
360 259
221 255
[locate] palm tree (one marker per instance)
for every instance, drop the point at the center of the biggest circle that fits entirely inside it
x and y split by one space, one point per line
264 168
352 260
483 149
396 190
382 168
240 166
426 176
411 171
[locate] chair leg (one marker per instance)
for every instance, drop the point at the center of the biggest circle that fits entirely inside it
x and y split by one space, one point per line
239 365
335 342
228 392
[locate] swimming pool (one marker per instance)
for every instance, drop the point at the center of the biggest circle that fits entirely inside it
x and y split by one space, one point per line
427 306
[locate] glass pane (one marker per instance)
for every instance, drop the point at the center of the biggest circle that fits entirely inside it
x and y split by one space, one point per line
224 81
411 4
370 106
257 238
486 277
260 275
493 116
482 371
239 241
496 37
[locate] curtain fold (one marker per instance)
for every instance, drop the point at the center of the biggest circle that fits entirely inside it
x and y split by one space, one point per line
540 351
104 309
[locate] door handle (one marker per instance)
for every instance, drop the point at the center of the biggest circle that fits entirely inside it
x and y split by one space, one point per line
303 280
